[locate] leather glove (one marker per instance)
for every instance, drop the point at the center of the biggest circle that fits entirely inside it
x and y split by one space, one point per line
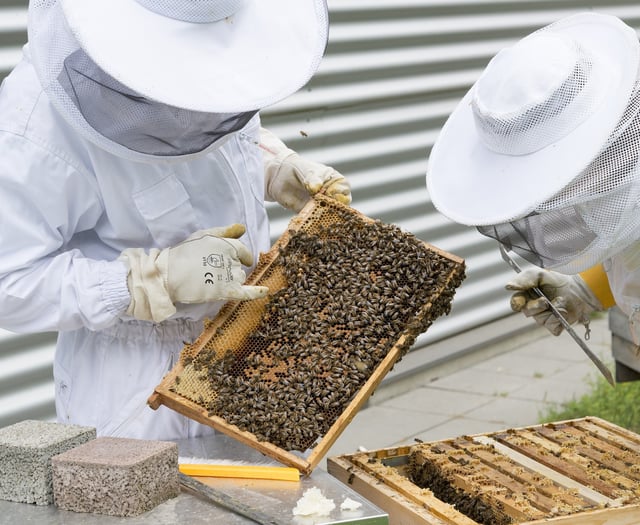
291 180
568 293
207 266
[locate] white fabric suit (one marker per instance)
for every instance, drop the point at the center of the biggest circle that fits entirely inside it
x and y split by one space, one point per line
68 211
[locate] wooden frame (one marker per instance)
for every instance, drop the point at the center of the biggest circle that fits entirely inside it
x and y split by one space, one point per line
165 394
408 504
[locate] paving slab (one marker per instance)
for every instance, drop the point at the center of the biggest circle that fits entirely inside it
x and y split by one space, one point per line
455 427
557 389
512 412
517 364
476 381
379 427
433 400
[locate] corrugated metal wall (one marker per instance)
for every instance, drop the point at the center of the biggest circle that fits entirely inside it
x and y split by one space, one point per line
26 384
393 72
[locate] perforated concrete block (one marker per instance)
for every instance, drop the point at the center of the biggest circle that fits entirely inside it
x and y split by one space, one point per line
26 449
116 476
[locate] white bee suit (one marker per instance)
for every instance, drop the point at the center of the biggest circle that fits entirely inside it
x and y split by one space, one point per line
69 208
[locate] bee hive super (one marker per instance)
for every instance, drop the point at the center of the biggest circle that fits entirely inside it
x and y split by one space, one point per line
287 373
583 471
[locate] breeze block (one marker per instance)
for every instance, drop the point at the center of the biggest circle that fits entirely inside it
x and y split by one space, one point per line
26 449
116 476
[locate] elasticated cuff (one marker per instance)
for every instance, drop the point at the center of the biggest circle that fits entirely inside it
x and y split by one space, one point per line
113 285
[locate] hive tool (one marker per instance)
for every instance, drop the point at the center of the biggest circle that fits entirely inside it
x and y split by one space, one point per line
565 324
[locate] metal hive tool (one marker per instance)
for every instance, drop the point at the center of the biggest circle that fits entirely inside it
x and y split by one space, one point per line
287 373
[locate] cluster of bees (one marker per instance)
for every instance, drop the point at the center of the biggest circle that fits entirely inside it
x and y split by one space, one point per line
353 288
428 472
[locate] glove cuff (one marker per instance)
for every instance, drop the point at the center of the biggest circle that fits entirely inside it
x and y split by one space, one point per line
274 153
273 171
150 298
586 294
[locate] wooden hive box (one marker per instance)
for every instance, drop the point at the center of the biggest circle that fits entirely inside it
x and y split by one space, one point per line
584 471
287 373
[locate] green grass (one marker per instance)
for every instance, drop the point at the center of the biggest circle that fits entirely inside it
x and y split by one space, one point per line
619 405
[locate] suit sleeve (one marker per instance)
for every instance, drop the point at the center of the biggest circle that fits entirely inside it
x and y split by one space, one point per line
46 281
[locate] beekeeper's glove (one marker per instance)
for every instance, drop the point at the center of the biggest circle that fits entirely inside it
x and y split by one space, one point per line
568 293
291 180
207 266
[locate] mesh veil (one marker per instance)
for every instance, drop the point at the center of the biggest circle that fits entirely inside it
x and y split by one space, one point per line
528 129
143 129
138 123
595 216
198 11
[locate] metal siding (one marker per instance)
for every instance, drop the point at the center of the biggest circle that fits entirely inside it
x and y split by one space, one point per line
393 71
26 379
13 22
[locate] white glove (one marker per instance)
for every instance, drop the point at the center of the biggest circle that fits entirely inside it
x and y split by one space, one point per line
568 293
204 267
291 180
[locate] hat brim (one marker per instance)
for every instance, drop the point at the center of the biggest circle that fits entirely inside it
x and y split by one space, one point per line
260 55
475 186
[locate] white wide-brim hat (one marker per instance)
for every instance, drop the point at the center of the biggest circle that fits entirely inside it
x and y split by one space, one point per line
540 112
221 56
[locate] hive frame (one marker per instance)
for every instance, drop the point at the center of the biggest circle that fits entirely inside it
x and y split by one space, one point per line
163 394
387 486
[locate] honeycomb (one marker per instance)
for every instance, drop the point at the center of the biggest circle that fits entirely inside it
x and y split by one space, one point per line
344 290
491 488
581 471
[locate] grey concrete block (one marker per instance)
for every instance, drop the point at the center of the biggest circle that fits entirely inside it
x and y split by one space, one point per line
26 449
116 476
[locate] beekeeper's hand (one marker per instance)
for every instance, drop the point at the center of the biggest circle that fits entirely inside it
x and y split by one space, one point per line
568 293
207 266
291 179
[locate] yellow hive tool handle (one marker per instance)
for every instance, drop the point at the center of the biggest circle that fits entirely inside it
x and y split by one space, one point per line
240 471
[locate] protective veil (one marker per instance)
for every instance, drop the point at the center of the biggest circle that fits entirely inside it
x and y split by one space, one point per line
546 146
180 75
107 112
595 217
139 124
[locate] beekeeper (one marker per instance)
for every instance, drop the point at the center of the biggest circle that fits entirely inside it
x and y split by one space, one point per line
542 154
133 175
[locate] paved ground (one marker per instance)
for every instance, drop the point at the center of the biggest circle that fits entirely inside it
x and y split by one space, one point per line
508 384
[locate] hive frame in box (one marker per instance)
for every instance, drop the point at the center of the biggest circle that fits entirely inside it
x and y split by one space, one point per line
378 475
165 392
